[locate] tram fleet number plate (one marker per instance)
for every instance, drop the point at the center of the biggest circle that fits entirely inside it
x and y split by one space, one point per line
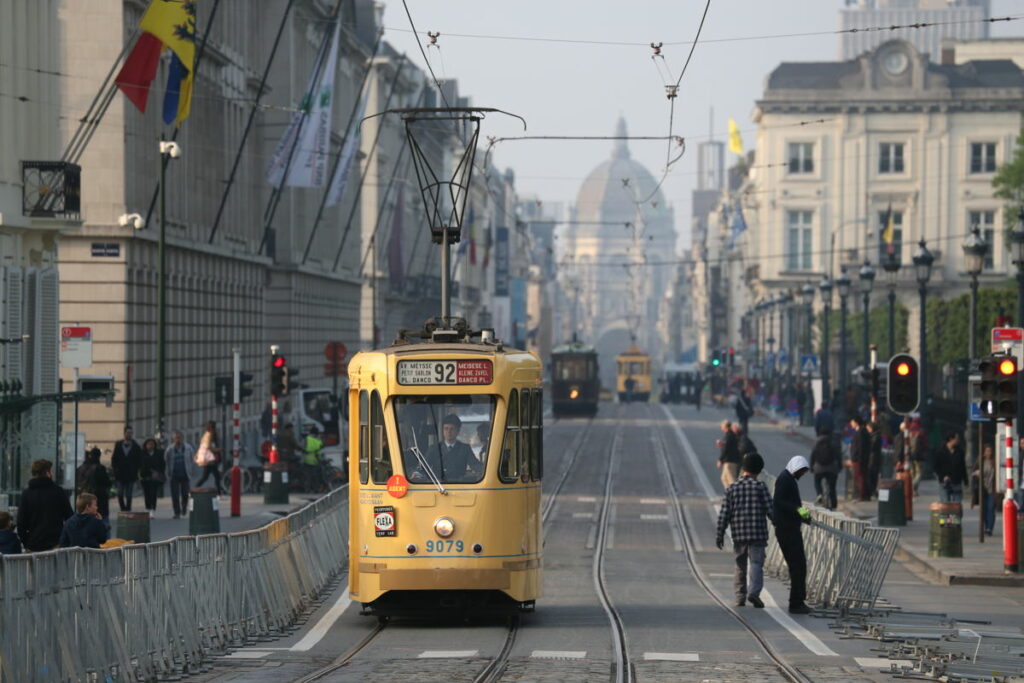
445 372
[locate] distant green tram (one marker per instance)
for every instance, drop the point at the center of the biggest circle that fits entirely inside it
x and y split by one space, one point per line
575 384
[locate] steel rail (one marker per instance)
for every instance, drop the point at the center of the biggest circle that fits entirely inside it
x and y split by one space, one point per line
345 657
623 668
789 671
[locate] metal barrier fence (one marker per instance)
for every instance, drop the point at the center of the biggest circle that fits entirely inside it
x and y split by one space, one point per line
847 559
161 610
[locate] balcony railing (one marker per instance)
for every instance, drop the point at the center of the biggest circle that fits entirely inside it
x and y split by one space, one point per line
51 189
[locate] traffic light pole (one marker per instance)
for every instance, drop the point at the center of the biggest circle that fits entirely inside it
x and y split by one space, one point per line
236 470
1010 549
873 360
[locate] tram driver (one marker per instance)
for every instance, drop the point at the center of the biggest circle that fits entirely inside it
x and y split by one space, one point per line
452 460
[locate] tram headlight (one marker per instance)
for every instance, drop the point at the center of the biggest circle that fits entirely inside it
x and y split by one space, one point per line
574 394
444 527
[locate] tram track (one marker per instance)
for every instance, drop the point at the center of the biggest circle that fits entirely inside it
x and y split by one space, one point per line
495 666
785 668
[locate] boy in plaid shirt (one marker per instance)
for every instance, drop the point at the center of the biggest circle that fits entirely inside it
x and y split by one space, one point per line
746 509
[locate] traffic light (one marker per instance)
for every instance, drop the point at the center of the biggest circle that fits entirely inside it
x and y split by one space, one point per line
289 375
278 375
903 384
243 379
716 358
987 369
1006 387
732 357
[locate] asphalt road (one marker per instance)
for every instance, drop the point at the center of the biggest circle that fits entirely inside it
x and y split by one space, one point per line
635 545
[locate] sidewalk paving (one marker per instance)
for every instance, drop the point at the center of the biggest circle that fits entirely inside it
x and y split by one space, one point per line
982 562
254 514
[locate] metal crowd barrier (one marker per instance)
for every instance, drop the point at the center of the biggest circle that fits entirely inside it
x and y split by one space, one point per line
162 610
847 559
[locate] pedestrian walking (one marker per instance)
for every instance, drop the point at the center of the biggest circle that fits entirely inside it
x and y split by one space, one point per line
209 452
181 470
125 463
744 408
728 455
744 444
860 446
745 511
43 509
10 544
985 478
874 462
826 459
698 388
94 478
312 449
788 514
951 469
153 472
86 528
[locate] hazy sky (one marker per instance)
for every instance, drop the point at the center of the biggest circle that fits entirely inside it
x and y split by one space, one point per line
581 88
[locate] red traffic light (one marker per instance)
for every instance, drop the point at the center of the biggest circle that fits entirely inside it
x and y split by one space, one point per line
1007 367
279 361
903 369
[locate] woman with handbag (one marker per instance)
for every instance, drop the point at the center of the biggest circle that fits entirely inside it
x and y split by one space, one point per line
152 473
208 456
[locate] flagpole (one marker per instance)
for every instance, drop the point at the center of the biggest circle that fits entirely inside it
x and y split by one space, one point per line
248 124
349 130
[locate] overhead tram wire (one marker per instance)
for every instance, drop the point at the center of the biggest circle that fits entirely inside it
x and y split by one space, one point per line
350 129
248 124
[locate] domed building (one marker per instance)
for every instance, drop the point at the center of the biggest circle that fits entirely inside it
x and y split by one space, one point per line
620 225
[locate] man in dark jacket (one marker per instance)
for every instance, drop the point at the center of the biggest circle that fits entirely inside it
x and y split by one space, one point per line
728 455
85 529
788 513
10 544
823 420
951 470
126 461
873 466
860 447
746 509
744 408
44 507
744 444
826 459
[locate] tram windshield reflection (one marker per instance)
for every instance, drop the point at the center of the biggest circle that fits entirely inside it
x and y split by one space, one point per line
443 438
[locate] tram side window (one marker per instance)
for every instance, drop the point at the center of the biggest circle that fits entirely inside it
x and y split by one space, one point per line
525 441
380 456
537 437
508 467
364 436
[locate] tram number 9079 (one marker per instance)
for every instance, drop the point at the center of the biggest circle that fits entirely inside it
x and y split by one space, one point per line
443 546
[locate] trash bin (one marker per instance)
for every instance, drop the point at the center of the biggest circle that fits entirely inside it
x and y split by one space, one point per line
133 526
946 537
891 511
203 512
275 483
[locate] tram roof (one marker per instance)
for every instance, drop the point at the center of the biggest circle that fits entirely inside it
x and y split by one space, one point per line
634 350
574 347
456 348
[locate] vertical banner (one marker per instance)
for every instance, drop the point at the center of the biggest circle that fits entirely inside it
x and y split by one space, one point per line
501 263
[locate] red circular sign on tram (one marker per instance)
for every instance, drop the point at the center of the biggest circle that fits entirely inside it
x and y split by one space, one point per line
398 486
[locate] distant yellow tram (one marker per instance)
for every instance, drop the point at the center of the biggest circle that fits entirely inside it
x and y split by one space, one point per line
633 375
444 510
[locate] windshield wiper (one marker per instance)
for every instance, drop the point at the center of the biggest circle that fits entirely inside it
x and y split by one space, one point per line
423 463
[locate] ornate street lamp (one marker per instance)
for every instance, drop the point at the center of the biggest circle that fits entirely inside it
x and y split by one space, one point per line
807 296
867 279
923 260
891 264
843 283
825 287
168 150
975 251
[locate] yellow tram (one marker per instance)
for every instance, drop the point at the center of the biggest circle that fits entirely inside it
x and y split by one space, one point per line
633 375
444 509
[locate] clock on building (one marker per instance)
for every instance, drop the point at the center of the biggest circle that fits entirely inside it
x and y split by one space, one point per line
895 63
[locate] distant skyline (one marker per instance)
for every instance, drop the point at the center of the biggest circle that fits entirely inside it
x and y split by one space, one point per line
572 68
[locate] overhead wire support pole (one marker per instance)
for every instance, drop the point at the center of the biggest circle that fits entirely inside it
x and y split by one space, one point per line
349 130
248 124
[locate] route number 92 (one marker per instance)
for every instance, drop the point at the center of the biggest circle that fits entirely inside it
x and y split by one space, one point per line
444 372
443 546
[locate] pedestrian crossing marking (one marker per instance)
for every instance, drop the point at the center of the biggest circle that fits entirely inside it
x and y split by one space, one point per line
671 657
247 654
652 501
586 499
559 654
655 517
448 654
583 515
882 662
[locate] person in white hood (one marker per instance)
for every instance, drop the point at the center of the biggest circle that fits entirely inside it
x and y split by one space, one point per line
788 514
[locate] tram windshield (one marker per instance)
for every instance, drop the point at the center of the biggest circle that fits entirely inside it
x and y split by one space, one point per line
574 368
444 438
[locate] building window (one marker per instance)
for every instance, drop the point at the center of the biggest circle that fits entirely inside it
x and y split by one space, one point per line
897 236
983 157
986 222
801 157
890 157
798 240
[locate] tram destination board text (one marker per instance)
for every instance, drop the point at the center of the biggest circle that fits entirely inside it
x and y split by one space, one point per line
442 372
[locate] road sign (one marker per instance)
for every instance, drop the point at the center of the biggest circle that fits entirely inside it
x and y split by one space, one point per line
76 347
1012 337
808 365
335 351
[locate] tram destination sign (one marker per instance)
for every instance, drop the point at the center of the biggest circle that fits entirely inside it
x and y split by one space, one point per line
453 372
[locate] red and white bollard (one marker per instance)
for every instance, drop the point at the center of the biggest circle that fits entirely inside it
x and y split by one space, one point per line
1010 549
236 470
273 429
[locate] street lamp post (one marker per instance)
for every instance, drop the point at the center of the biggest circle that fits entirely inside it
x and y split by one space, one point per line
807 295
843 283
867 279
892 269
771 305
168 150
1017 244
975 250
825 287
923 260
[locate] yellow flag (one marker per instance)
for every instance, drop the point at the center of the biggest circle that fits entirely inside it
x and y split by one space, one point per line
174 23
735 141
889 231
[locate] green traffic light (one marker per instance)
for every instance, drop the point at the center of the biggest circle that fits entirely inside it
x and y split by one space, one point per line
716 362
